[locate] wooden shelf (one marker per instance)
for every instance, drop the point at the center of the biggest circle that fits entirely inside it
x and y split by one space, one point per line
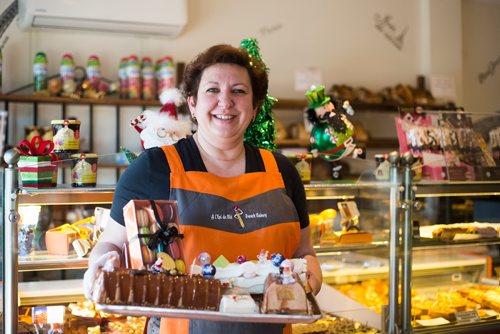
67 100
293 142
381 143
280 104
388 107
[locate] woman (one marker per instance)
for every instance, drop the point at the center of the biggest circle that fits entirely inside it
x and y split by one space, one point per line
214 171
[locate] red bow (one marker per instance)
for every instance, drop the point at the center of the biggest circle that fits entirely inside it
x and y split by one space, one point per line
37 147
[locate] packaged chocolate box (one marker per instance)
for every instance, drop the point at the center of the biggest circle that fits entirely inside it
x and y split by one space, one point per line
152 226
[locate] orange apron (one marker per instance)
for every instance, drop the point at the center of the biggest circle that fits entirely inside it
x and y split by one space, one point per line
231 216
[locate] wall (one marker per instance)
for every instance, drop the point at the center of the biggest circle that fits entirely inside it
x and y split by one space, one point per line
339 38
481 55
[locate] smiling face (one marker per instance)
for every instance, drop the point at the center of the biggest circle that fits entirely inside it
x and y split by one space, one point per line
223 106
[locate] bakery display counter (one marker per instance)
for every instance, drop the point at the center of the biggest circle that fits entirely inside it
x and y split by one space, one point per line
455 245
437 264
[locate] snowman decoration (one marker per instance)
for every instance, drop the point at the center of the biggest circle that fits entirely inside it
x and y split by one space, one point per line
162 127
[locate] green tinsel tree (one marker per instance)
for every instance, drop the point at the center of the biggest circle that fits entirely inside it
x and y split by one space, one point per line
261 132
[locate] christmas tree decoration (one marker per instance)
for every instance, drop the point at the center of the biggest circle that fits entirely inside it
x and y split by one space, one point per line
261 131
129 155
332 134
161 127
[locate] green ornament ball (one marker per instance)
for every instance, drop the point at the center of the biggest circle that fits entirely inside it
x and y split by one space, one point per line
324 139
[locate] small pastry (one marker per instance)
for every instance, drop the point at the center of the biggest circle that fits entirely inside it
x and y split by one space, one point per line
174 251
147 255
180 266
168 213
81 246
168 263
142 218
144 240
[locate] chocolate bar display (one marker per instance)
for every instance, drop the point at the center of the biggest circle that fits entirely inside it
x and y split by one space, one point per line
454 146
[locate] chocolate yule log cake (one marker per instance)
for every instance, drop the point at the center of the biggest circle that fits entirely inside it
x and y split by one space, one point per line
145 288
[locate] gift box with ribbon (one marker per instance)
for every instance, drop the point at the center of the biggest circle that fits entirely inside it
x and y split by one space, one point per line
152 227
37 165
59 240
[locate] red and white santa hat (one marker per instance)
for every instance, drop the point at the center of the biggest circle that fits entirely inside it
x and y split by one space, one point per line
171 99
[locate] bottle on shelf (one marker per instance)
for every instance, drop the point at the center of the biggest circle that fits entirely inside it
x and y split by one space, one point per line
122 78
67 73
40 72
133 77
148 79
94 71
165 74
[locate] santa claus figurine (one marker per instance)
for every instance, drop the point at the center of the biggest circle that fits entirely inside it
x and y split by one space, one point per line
162 127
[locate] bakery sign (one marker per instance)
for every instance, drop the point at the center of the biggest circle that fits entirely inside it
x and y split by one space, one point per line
385 25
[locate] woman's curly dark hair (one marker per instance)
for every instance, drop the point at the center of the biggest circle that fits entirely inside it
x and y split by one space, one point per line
226 54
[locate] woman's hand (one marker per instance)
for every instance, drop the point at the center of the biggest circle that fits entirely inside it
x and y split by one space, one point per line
313 279
111 258
306 251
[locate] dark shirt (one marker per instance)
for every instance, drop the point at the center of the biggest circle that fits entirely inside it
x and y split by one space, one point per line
148 177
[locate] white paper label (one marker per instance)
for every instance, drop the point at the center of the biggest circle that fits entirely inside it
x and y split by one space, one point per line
307 77
443 87
467 316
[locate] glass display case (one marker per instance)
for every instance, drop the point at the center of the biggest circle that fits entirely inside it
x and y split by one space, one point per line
449 221
444 272
397 254
42 278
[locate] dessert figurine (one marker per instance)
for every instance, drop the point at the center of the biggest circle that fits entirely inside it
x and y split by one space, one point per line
263 256
158 128
157 266
249 276
286 268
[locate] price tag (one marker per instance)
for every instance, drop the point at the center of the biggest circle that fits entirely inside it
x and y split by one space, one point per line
443 87
48 315
467 316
